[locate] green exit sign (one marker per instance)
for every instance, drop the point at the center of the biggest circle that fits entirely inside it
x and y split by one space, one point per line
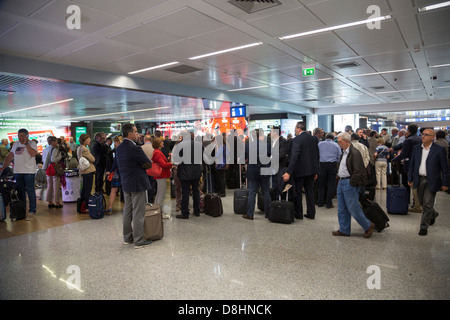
308 72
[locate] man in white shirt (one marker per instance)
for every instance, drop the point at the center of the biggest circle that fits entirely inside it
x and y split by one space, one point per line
24 152
428 172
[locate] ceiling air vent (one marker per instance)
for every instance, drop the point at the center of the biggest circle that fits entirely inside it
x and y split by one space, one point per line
310 100
346 65
252 6
183 69
378 88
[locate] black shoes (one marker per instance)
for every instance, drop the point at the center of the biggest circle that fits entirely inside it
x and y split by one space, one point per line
423 232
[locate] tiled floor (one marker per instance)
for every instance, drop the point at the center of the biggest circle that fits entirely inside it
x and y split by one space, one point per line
225 258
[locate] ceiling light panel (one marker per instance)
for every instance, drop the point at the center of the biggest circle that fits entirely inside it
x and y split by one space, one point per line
333 28
226 50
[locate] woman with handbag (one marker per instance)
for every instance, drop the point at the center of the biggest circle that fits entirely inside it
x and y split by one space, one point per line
86 173
114 177
159 159
381 164
53 171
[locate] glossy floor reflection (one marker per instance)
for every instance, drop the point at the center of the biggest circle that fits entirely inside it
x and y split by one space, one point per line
229 258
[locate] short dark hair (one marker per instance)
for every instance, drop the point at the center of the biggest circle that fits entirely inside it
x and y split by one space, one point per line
301 125
50 139
23 130
412 128
440 134
126 129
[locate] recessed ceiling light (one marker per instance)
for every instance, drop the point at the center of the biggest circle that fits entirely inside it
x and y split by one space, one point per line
248 88
38 106
341 26
440 65
226 50
305 81
378 73
434 6
115 113
154 67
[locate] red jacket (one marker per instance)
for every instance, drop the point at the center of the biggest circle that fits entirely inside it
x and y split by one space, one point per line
160 158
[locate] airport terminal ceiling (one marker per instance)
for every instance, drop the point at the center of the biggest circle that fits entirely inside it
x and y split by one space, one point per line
144 59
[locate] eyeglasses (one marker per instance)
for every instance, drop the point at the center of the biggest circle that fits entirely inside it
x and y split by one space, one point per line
428 135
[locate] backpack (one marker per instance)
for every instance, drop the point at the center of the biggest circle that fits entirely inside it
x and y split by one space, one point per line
96 206
83 163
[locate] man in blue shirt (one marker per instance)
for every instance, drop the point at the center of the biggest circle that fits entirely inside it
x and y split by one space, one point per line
330 154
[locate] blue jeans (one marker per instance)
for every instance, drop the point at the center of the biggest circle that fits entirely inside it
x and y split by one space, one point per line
25 183
348 206
253 187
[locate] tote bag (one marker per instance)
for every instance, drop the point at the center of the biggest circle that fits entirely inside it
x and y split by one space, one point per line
155 171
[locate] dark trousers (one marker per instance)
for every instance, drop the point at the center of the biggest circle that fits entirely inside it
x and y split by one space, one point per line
427 198
220 177
88 180
100 172
308 183
327 183
185 191
152 191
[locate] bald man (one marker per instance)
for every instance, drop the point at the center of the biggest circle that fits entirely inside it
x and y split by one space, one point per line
428 172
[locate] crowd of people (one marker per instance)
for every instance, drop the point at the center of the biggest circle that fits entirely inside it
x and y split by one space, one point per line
318 165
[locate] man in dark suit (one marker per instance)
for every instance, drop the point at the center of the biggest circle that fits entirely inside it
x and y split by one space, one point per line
189 173
407 147
428 172
132 163
304 165
100 154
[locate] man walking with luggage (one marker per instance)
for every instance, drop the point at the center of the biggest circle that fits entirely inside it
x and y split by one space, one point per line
352 176
428 172
132 163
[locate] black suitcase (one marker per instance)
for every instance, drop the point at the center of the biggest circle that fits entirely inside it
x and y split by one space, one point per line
374 213
240 198
213 202
17 209
281 211
80 206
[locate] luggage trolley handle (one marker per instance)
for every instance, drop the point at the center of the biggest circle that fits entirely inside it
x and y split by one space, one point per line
240 177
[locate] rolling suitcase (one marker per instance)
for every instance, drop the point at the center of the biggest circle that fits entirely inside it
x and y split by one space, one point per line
281 211
397 200
17 209
374 213
213 202
240 199
2 209
153 222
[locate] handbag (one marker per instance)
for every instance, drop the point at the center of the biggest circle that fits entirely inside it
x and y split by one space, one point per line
83 164
59 169
111 175
155 171
50 170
